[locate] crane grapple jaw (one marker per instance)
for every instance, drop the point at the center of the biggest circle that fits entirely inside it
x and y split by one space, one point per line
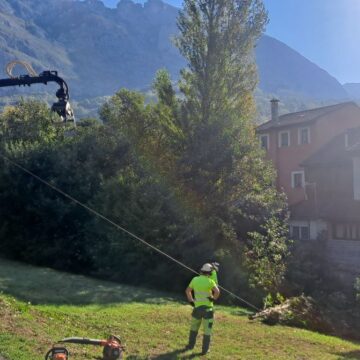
64 110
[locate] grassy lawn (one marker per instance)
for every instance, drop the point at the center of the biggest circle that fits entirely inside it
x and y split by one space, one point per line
40 306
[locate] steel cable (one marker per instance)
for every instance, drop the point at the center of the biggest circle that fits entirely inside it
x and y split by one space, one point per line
106 219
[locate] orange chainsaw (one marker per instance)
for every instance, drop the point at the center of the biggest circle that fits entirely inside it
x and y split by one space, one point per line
113 349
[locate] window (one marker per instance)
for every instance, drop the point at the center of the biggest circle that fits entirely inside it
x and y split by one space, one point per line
296 232
304 136
339 231
304 233
346 231
297 179
300 233
354 232
284 139
264 141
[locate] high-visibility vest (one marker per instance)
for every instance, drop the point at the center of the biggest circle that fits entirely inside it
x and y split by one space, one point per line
202 286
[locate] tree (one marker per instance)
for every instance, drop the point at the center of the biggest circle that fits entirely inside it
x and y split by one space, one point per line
29 123
266 255
357 288
52 228
221 162
217 38
164 89
202 146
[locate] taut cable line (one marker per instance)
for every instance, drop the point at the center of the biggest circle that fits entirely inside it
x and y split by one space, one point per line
117 226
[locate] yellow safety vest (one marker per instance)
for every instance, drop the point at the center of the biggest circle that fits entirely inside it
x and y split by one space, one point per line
202 286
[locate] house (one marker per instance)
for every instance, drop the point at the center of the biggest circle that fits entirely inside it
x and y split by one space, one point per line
292 138
317 157
331 209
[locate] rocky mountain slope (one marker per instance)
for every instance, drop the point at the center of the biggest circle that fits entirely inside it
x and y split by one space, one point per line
99 49
284 71
353 90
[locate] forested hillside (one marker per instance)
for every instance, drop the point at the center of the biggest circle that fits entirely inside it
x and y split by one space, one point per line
100 50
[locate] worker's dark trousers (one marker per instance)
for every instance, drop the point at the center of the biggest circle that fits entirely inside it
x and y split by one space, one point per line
204 315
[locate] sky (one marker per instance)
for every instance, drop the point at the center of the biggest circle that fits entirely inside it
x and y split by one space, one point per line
326 32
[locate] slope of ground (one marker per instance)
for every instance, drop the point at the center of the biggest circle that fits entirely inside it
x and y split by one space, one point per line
39 306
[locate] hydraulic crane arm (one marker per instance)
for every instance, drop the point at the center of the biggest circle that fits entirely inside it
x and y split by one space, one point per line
43 78
62 106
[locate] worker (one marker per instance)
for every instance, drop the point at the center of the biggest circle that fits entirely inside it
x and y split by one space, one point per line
201 294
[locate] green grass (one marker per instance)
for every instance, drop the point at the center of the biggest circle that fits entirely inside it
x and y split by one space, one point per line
40 306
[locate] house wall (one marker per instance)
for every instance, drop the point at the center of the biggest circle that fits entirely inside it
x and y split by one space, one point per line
288 159
345 254
333 182
356 178
327 127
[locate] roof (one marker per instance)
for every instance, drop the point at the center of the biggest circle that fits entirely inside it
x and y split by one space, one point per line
335 151
305 116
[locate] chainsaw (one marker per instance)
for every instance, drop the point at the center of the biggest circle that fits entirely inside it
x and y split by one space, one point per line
113 349
57 353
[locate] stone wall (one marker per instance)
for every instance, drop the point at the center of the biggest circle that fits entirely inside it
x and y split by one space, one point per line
345 254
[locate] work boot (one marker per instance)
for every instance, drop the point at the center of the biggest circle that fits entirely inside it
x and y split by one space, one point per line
206 344
192 340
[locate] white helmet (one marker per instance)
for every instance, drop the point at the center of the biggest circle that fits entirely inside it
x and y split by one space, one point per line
206 268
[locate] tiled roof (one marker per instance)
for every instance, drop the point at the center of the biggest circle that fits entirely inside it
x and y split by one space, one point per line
303 116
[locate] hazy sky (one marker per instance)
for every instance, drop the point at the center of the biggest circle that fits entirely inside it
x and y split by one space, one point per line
327 32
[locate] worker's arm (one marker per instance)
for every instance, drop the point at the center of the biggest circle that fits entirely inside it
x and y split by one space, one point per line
189 294
214 276
215 292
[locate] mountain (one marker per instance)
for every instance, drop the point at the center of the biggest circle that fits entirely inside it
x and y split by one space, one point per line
283 70
353 90
111 3
98 49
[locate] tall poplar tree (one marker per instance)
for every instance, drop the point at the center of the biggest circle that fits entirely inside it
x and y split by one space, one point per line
217 38
221 161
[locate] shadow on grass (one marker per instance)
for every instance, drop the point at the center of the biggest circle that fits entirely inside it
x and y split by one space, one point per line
241 312
46 286
351 355
176 354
